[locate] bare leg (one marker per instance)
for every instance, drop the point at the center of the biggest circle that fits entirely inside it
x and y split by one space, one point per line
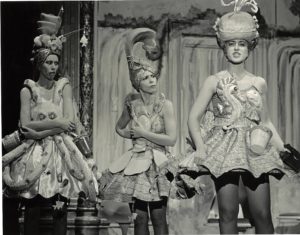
158 213
228 202
258 194
141 221
244 202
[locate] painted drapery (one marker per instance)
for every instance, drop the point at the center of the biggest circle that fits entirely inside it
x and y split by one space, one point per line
188 61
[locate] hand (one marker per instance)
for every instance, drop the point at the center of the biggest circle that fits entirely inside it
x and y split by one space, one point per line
67 124
201 152
137 132
30 133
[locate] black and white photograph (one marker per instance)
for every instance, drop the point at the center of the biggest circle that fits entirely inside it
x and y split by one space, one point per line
136 117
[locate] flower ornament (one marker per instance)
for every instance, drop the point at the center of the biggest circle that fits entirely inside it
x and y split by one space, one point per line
42 116
52 115
62 38
55 45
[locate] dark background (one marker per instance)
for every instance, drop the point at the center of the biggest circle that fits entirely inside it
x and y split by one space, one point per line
18 29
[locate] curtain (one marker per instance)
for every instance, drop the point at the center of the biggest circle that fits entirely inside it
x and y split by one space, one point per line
111 84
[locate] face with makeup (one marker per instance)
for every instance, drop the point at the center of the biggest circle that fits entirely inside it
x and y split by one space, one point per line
148 82
49 68
236 50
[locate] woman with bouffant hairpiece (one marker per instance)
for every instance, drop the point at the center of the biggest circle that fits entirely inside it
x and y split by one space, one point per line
142 175
242 143
47 168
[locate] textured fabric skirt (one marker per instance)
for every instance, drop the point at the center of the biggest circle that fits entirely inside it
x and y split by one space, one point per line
228 150
48 167
149 185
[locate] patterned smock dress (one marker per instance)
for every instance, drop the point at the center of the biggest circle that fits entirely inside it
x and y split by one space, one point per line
50 166
140 172
226 133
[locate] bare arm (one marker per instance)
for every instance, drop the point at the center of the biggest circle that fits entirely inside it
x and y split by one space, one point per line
198 110
68 110
32 134
265 118
169 137
123 122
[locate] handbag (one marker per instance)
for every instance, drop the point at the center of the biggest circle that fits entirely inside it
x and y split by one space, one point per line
292 158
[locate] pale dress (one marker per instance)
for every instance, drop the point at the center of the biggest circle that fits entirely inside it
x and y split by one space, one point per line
140 172
50 166
226 134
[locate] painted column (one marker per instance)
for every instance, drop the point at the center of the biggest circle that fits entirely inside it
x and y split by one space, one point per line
86 66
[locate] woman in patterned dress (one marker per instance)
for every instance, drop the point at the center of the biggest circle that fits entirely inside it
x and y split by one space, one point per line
139 175
49 168
237 98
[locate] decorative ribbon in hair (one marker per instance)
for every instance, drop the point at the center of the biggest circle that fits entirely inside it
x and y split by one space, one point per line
238 4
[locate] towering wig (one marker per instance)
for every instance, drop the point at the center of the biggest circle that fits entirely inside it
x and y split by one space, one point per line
137 66
238 24
47 43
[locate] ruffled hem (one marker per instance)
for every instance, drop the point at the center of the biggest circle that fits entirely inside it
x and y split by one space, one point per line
195 166
228 150
151 185
49 167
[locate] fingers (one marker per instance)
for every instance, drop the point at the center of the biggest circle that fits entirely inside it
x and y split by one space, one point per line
25 129
131 133
72 125
71 128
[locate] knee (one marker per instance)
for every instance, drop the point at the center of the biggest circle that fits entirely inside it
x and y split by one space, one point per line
262 216
159 221
228 214
141 219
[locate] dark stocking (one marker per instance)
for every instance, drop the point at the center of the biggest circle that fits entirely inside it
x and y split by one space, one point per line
258 194
141 221
228 202
158 214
